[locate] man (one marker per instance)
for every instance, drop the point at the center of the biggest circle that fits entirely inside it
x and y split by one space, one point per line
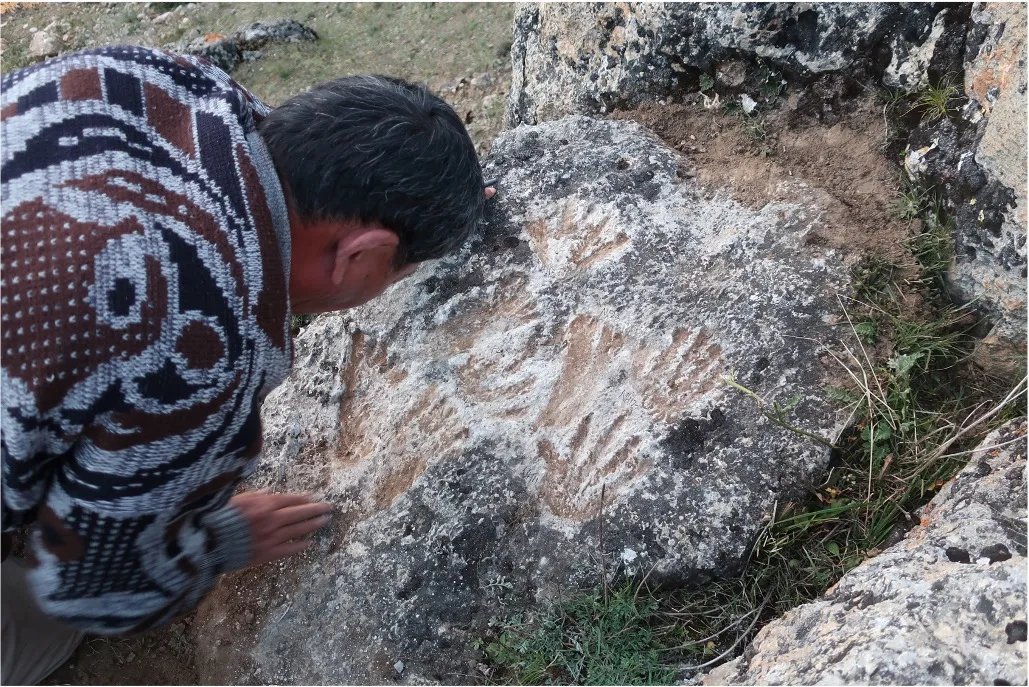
160 225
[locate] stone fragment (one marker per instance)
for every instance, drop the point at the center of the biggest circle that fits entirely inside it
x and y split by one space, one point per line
226 52
43 44
257 35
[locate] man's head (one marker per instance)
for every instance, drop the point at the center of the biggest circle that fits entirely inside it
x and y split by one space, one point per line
381 175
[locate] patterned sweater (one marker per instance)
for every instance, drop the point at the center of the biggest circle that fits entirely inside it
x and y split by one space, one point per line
144 318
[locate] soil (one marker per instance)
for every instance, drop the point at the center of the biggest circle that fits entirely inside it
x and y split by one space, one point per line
779 156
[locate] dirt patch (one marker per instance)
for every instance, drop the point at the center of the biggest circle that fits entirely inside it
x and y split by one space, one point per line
162 657
762 159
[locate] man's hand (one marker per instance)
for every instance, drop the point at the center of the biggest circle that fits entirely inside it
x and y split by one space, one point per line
280 524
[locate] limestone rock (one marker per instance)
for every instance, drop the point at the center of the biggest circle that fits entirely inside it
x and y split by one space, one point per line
586 58
991 255
258 34
43 44
219 49
226 52
947 605
977 161
468 425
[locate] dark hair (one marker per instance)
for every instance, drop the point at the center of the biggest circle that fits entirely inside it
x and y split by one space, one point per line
379 149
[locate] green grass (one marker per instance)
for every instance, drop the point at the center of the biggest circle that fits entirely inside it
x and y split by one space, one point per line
599 638
932 247
911 202
936 102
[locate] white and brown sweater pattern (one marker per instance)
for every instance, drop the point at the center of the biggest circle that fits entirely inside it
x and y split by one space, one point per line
144 318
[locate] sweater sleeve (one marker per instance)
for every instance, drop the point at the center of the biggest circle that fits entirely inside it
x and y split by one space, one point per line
145 314
110 569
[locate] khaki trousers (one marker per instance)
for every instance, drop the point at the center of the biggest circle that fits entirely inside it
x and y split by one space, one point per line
33 644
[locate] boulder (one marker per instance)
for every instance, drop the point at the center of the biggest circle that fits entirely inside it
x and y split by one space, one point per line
990 262
43 44
255 36
947 605
586 58
976 159
226 52
547 404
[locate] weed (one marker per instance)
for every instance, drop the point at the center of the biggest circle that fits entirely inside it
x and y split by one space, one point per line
932 247
936 102
594 639
911 202
299 322
706 83
773 85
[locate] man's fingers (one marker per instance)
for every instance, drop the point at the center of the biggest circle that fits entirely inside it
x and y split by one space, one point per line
300 529
288 549
282 501
292 514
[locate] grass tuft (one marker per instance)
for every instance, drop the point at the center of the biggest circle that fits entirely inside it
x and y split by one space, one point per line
936 102
594 639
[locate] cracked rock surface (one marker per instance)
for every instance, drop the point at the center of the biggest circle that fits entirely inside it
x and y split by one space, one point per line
947 605
585 58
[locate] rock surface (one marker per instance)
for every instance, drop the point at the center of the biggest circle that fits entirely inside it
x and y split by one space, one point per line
991 254
468 424
226 52
976 159
43 44
945 606
586 58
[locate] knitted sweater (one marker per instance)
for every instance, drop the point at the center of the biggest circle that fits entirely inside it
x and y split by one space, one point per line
144 318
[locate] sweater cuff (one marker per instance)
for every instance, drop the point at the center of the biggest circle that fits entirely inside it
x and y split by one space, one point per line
231 534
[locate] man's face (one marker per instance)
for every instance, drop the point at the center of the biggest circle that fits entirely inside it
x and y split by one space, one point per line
336 265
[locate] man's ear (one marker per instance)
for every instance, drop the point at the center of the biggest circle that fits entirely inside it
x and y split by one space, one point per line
358 244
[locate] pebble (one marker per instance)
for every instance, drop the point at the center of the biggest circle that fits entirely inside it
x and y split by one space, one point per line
43 45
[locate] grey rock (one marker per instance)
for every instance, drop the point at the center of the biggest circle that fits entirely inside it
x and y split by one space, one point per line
587 58
978 162
991 260
470 425
226 52
919 613
43 44
257 35
220 50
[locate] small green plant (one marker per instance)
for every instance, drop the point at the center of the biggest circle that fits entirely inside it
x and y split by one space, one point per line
593 639
707 82
932 247
299 322
936 102
911 202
